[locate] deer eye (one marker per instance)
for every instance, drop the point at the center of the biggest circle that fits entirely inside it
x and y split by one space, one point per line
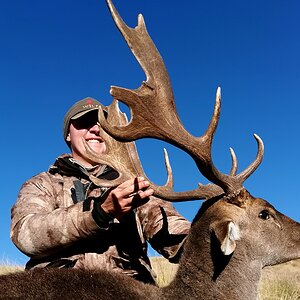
264 214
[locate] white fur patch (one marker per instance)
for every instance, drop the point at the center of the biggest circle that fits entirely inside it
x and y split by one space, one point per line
233 234
233 231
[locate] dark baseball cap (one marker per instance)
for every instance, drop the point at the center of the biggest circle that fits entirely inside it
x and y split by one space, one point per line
79 109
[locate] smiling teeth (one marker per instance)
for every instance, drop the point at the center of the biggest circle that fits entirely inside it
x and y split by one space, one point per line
93 141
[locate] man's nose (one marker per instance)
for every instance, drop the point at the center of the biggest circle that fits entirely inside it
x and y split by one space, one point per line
95 128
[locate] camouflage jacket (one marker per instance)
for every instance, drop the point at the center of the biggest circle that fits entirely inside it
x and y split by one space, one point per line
52 223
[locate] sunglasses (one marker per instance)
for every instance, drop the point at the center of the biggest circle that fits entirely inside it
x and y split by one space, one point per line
88 120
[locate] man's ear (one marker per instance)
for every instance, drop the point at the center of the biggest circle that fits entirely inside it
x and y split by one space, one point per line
68 138
227 232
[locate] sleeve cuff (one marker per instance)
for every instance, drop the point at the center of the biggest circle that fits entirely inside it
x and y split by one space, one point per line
101 217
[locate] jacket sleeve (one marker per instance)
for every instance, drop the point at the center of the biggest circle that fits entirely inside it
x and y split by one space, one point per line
40 226
164 228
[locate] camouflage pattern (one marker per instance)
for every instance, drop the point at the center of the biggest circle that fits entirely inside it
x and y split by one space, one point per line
56 230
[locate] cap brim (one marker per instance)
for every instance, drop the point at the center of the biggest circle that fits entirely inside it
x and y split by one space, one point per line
80 114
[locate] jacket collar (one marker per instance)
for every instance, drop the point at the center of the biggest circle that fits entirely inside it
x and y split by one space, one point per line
66 165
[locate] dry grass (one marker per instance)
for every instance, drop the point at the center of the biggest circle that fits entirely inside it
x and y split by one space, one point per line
6 269
281 282
165 271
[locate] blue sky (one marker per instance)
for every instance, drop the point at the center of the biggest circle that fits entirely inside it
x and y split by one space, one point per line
54 53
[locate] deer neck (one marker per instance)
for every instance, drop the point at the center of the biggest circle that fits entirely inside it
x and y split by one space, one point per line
205 273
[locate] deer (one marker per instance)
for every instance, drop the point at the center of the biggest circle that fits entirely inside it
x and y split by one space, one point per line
233 236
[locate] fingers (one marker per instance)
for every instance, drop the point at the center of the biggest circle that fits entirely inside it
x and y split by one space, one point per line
142 194
128 195
136 186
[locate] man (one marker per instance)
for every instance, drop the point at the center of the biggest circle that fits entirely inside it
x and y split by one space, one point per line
61 219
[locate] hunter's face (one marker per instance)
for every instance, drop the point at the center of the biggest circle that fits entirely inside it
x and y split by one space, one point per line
86 128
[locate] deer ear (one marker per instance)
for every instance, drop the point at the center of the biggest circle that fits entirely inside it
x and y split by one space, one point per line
227 232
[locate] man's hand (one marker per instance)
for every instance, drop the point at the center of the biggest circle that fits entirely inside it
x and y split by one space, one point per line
128 195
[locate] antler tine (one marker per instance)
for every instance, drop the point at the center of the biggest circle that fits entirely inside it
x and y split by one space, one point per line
130 37
254 165
234 164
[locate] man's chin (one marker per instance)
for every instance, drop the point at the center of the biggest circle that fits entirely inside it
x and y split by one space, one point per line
98 148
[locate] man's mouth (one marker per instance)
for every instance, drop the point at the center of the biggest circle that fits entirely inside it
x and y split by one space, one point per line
92 141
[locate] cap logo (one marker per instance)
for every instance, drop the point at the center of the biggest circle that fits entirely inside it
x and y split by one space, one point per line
89 101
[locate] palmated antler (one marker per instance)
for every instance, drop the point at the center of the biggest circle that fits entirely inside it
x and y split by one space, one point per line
153 112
